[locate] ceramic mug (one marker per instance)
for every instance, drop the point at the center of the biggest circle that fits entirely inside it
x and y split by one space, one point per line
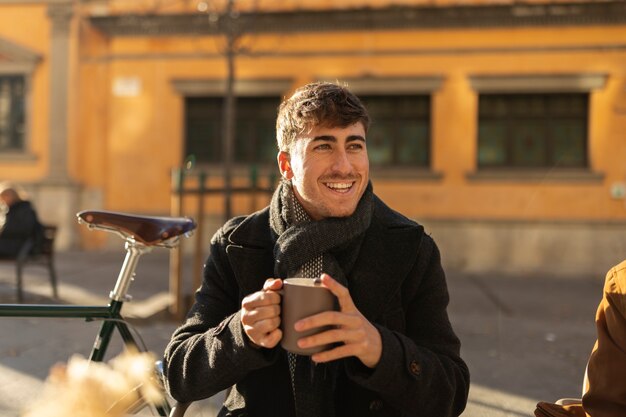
303 297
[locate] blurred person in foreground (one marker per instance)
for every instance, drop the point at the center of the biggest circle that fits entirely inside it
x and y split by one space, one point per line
604 386
394 354
20 223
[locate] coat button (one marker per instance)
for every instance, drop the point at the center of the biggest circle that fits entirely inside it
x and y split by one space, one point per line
415 367
376 405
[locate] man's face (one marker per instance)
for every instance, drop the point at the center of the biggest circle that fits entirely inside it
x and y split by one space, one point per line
329 170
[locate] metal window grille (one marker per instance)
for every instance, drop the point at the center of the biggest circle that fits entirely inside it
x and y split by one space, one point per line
533 130
11 112
399 134
255 131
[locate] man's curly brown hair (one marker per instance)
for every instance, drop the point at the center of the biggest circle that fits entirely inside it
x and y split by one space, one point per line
317 104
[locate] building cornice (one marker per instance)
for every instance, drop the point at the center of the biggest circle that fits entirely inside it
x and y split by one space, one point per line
12 52
527 83
249 87
16 59
388 18
32 2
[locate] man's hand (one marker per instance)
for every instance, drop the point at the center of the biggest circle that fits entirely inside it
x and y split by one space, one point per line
360 338
260 315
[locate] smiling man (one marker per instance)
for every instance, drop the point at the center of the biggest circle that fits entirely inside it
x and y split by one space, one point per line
328 169
393 352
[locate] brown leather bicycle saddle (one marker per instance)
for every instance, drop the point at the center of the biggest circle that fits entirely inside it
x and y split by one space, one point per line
148 230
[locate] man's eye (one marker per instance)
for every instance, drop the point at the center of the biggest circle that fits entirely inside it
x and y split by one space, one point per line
356 146
323 146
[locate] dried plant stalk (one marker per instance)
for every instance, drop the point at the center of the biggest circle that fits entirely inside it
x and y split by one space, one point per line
95 389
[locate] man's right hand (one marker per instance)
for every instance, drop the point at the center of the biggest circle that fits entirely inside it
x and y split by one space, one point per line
260 315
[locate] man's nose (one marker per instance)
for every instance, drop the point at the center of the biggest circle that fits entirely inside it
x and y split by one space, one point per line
341 162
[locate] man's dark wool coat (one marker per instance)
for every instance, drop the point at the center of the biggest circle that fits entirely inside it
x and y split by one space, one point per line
397 283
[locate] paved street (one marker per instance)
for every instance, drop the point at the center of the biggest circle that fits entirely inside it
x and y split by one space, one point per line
524 338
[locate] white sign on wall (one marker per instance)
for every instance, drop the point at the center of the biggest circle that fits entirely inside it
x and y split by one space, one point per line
126 86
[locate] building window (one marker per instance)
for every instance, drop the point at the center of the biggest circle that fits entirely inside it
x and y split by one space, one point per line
529 130
12 113
399 134
255 129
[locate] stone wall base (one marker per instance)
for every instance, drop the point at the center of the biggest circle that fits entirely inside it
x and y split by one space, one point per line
559 249
568 249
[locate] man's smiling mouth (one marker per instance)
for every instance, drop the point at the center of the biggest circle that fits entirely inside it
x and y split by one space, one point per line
342 187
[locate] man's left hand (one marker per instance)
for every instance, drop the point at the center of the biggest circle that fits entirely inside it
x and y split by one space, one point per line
358 336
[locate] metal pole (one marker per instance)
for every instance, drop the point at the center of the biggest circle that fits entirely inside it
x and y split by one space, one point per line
176 287
254 186
229 109
199 259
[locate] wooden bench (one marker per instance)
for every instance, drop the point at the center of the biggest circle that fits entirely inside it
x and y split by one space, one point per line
44 257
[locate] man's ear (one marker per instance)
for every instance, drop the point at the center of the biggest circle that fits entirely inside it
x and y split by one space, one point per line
284 165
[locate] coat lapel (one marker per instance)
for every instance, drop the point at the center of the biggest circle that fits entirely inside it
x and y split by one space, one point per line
386 257
250 253
251 266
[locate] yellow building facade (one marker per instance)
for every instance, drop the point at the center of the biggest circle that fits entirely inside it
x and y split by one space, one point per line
498 125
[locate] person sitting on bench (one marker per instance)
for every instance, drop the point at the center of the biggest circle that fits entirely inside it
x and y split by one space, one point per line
21 224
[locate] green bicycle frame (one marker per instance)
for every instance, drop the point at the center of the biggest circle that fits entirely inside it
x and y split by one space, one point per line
110 315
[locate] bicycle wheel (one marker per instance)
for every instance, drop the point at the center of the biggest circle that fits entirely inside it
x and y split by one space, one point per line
145 407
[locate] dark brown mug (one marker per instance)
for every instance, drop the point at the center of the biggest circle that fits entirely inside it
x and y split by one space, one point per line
303 297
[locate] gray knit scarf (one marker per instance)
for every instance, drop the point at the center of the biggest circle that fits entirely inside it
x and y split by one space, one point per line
337 240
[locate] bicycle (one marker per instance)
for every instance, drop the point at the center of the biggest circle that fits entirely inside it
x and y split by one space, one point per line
141 234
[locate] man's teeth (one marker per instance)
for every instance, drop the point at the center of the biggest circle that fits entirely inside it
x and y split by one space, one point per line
339 186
